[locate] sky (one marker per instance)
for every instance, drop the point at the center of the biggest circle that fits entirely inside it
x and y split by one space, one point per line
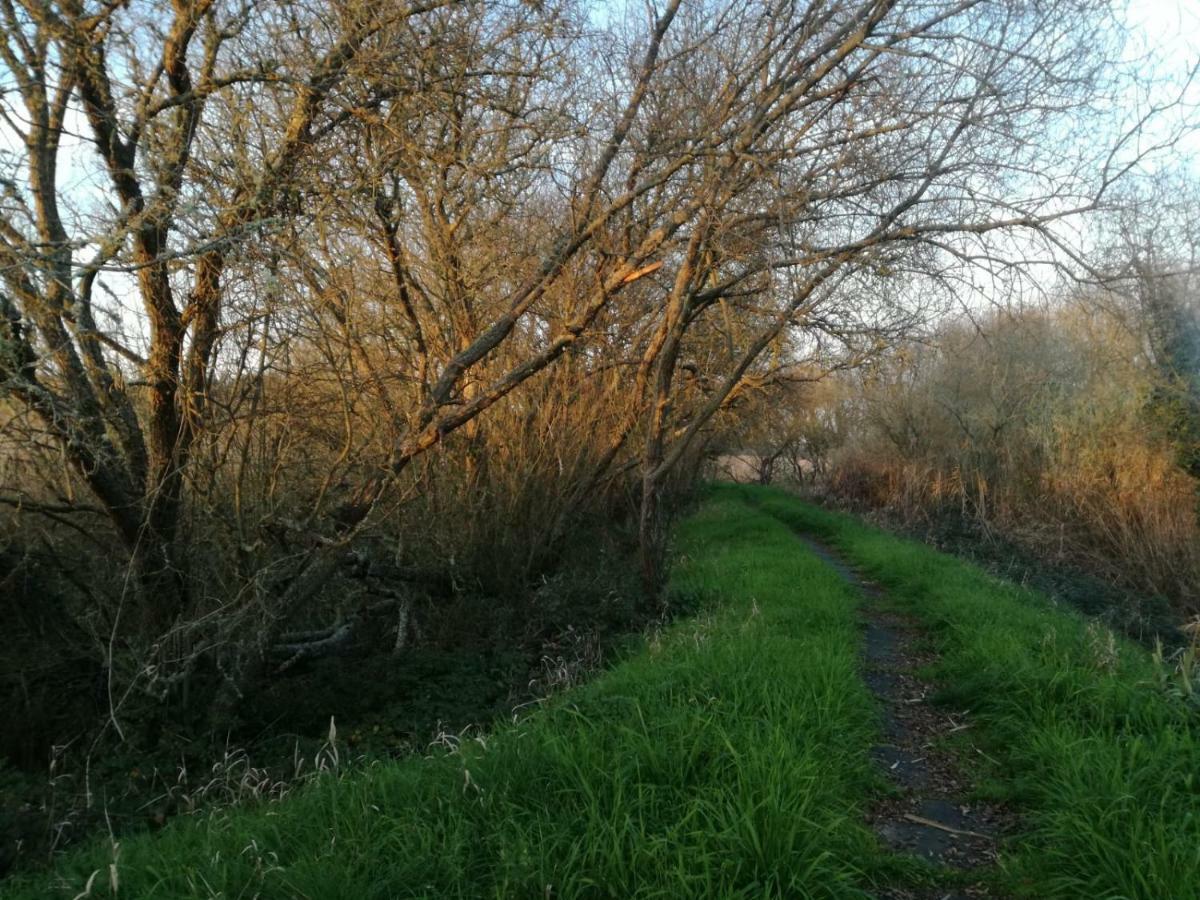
1163 44
1165 34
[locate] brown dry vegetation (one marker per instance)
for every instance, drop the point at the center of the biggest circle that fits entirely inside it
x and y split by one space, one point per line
1067 430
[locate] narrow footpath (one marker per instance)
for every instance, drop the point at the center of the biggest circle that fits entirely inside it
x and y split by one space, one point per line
929 815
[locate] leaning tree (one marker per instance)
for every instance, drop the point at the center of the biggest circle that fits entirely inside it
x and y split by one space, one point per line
233 222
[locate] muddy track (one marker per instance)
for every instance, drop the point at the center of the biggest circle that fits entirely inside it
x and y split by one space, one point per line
930 814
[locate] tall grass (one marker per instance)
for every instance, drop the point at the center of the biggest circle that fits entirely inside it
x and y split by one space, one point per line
1090 739
725 757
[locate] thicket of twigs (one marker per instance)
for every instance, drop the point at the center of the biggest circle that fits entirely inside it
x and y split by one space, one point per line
1072 430
323 319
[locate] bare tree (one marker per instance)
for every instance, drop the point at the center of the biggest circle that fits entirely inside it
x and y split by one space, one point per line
355 235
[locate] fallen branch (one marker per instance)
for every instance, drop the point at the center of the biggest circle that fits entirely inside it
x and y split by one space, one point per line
921 820
337 637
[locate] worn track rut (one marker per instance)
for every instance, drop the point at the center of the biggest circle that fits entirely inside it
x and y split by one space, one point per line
930 814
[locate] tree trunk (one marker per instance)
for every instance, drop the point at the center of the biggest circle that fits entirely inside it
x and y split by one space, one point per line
159 583
651 538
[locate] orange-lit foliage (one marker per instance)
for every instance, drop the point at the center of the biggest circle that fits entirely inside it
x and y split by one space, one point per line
1039 426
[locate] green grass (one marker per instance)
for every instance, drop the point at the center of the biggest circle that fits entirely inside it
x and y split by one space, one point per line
1100 757
728 757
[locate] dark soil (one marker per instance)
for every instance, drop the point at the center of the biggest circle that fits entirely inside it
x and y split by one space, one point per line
930 814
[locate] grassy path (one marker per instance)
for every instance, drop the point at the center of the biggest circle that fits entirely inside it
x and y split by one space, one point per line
730 756
931 811
1093 743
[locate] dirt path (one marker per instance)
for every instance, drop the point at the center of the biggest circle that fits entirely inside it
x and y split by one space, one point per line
930 815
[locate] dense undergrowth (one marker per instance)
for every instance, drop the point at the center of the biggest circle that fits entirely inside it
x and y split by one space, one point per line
1147 618
1096 745
1071 433
77 767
